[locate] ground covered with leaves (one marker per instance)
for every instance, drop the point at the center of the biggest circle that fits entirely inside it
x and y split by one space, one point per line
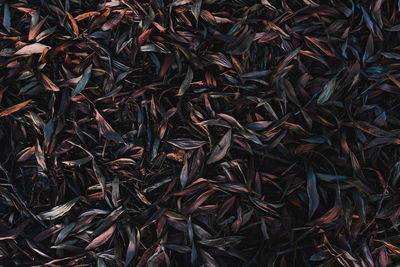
199 133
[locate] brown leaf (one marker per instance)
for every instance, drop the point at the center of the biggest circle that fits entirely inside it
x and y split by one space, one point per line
35 30
36 48
73 23
48 84
101 239
14 108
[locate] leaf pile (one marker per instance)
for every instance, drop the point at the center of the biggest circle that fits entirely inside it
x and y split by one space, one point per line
199 133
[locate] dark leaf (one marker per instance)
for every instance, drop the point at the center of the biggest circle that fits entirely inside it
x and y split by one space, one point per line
312 192
106 130
219 151
83 81
186 143
101 239
186 82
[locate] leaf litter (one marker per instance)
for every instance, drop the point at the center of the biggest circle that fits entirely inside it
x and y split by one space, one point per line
199 133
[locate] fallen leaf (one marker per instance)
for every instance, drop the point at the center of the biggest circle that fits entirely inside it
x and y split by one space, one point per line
7 18
48 84
83 81
14 108
36 48
101 239
186 82
312 192
58 211
221 148
106 130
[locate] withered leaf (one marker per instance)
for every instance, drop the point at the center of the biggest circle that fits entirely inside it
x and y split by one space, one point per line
184 176
77 162
7 17
36 48
219 151
196 7
35 30
329 177
106 130
83 81
64 233
132 247
186 143
48 84
58 211
244 46
14 108
219 59
220 242
208 260
115 195
99 175
186 82
40 156
73 23
327 91
101 239
312 192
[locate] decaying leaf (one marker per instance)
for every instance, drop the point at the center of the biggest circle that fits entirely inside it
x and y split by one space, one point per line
199 133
